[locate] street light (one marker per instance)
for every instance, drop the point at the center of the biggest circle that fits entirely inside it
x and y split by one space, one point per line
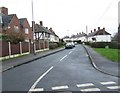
33 29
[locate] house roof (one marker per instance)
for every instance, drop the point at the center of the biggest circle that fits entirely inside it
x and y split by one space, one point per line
81 35
40 29
21 20
99 32
65 37
52 32
6 19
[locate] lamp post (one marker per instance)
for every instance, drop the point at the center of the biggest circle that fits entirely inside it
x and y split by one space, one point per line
33 29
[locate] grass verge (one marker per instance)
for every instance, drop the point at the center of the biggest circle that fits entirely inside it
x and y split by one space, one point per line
111 54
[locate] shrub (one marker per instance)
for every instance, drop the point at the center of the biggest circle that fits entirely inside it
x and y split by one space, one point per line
61 44
53 45
100 44
113 45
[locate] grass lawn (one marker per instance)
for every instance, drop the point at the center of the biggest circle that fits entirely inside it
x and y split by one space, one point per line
111 54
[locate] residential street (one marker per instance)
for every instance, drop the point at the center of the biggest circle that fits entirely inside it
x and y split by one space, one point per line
67 70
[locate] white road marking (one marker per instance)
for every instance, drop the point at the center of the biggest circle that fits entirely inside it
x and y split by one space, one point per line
114 87
70 52
85 85
36 90
59 87
91 89
107 83
38 80
63 57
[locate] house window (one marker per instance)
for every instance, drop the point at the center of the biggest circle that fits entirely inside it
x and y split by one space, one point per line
16 28
26 31
94 39
0 19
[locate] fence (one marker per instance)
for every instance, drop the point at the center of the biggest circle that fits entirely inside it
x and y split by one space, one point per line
8 49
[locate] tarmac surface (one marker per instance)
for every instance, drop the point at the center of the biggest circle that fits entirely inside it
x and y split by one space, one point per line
99 62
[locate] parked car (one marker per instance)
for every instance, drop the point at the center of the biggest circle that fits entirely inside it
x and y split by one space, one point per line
69 45
73 44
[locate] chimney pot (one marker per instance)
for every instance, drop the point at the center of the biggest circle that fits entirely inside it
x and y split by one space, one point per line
94 30
98 28
91 31
104 29
41 23
47 28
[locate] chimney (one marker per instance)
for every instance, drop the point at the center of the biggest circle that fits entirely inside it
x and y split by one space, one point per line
4 10
103 29
51 29
98 28
47 28
91 31
41 23
94 30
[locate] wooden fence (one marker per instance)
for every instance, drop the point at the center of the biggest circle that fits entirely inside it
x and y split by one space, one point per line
8 49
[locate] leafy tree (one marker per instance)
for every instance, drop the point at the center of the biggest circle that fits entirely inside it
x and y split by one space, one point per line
15 37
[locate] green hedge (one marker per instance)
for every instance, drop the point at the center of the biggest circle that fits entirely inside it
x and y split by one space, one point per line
113 45
53 45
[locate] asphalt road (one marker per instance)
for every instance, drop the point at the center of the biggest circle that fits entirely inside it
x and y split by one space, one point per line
68 70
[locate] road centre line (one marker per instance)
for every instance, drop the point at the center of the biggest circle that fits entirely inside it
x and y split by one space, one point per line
38 80
70 52
59 87
63 57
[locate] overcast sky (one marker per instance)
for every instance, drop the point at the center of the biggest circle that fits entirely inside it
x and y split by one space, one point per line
68 17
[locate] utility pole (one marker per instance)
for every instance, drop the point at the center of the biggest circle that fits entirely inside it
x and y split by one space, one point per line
87 33
33 29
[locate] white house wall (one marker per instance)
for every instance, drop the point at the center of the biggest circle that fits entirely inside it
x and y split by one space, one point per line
101 38
83 39
54 38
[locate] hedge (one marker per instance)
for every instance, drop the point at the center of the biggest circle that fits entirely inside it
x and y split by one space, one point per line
53 45
113 45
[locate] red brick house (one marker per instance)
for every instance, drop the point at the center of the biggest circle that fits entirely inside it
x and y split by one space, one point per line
26 29
11 24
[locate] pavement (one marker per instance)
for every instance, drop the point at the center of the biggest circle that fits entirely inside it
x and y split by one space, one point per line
103 64
99 62
14 62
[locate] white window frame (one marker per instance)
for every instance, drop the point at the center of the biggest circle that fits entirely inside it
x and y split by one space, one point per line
26 31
